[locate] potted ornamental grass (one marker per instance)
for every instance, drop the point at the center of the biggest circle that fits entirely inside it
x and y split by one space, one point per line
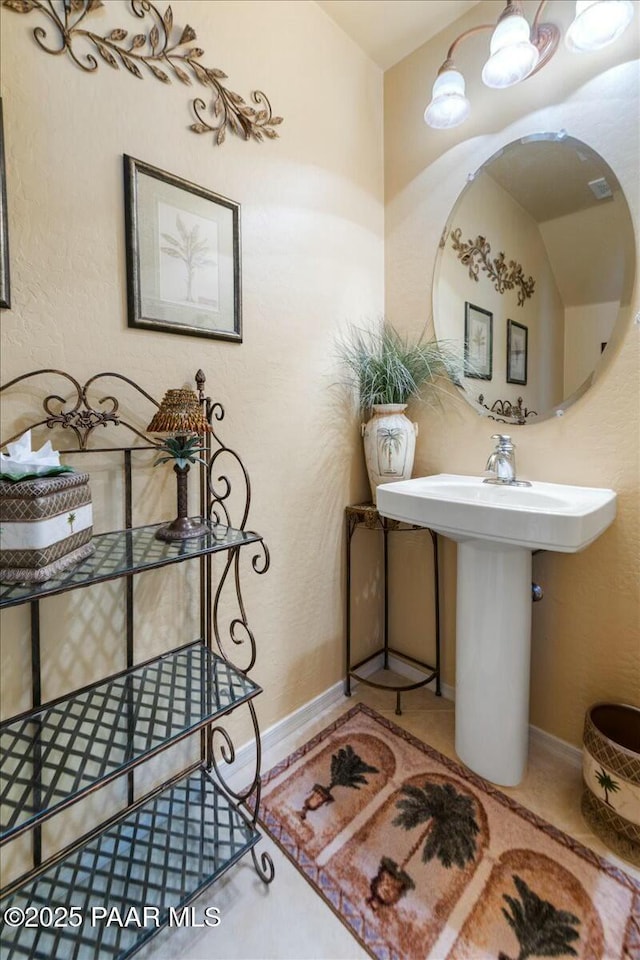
385 370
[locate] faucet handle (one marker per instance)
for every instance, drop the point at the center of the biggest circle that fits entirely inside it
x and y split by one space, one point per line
504 441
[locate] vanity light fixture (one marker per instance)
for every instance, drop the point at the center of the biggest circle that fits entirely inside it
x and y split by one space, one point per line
597 24
517 51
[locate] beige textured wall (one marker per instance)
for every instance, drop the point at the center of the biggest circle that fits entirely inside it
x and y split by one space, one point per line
586 329
586 636
312 260
596 277
597 270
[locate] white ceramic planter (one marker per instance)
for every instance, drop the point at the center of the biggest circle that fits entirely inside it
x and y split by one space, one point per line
389 445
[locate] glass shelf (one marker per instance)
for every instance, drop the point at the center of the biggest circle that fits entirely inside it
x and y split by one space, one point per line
59 752
158 855
124 552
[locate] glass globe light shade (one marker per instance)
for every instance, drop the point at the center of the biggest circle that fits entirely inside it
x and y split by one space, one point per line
449 107
598 23
513 56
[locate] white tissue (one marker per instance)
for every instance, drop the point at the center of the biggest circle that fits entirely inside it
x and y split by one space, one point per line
21 459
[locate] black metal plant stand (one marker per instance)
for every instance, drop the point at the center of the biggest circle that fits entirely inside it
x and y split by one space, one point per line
171 842
366 515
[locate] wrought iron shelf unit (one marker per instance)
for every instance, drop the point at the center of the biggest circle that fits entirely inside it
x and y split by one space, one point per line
166 846
54 755
125 552
181 839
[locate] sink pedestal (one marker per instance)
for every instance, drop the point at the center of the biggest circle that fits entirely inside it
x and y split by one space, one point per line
493 630
496 527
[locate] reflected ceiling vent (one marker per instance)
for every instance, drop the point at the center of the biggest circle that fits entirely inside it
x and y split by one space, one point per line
600 189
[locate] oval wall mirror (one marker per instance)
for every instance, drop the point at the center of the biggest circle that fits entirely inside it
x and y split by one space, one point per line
534 274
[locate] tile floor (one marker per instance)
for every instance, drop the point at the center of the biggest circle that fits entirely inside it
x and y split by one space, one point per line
288 921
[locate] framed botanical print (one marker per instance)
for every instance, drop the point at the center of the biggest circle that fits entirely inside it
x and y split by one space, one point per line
183 255
517 337
478 342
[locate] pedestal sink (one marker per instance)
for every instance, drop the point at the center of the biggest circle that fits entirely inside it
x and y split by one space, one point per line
497 527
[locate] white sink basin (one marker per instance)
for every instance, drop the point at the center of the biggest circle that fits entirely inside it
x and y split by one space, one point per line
497 528
544 516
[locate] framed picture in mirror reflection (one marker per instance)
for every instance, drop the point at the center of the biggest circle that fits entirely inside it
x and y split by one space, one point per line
517 336
478 342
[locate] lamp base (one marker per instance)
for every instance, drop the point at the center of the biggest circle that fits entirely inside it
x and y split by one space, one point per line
183 528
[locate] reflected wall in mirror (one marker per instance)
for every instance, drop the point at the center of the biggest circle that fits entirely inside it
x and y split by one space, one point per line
556 220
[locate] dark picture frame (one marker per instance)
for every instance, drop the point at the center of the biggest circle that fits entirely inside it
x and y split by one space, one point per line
517 352
478 342
183 255
5 284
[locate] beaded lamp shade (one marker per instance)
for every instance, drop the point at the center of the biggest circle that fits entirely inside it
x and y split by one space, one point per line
179 413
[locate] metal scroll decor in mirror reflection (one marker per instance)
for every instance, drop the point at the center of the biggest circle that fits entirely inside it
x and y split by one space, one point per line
534 274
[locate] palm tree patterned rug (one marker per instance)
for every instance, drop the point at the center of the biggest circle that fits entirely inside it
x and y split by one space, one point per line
424 860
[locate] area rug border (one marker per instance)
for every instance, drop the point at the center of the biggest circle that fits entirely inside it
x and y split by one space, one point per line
334 897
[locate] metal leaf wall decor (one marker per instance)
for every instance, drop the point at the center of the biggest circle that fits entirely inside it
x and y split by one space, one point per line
475 254
157 48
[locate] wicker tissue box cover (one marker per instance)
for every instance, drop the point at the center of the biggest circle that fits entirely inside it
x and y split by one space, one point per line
46 525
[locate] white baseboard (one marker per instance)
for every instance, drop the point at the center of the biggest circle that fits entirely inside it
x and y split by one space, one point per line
560 748
272 736
448 692
555 745
243 766
412 673
309 711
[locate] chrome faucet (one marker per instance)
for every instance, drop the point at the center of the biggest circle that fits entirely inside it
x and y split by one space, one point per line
502 463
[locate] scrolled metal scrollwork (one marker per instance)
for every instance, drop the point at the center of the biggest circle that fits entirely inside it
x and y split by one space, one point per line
228 480
261 562
513 412
238 624
77 412
221 486
248 796
162 51
238 629
476 256
216 411
264 868
82 418
227 750
223 462
230 109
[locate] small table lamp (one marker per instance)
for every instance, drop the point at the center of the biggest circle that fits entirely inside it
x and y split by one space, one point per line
181 419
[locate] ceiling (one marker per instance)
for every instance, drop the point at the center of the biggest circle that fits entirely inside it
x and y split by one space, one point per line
551 179
388 30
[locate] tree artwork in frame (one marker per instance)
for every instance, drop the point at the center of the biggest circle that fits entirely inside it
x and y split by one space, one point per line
478 342
517 336
183 255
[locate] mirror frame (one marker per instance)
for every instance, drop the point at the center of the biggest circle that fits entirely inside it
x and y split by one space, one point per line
515 413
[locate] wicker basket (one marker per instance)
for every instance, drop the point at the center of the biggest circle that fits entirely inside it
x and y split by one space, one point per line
611 776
